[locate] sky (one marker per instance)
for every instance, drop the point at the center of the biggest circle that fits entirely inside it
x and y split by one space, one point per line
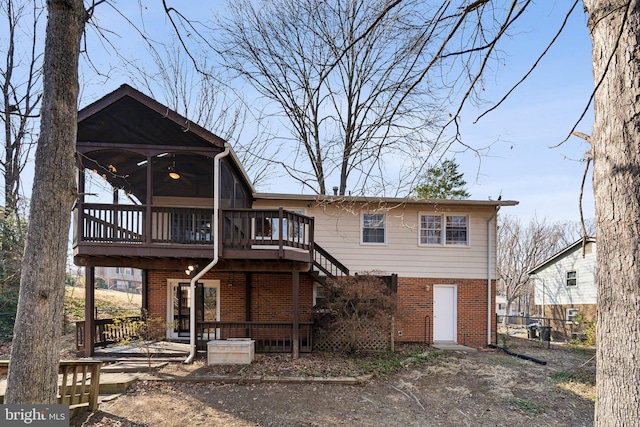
520 165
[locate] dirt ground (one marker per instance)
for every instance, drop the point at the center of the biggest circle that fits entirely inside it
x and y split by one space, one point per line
414 387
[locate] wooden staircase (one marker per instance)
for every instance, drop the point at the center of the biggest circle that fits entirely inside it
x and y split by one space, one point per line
326 266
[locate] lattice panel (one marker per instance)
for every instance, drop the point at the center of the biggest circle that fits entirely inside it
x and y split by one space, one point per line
366 338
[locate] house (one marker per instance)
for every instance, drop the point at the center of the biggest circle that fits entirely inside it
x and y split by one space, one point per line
501 307
124 279
565 288
184 212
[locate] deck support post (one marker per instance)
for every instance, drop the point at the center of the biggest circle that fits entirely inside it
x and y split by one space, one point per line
295 344
145 293
89 308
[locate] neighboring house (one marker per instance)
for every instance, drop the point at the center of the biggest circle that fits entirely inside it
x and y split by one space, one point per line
257 261
565 288
124 279
501 307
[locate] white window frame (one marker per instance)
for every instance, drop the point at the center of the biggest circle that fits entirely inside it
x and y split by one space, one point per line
570 315
384 228
443 229
574 279
318 289
171 291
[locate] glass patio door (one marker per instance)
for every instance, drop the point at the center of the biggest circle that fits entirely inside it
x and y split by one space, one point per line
207 306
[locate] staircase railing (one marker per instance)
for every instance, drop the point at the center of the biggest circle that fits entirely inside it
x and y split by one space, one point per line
327 264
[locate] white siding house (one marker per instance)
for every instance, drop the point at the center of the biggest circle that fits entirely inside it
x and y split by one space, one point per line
565 286
442 251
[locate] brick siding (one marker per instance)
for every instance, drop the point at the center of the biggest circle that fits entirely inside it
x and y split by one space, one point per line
415 317
271 301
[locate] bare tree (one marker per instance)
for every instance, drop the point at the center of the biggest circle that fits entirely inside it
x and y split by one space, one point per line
346 110
466 29
20 78
520 249
35 355
615 142
200 94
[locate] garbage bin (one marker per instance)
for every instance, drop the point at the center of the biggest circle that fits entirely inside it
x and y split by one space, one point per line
532 333
545 333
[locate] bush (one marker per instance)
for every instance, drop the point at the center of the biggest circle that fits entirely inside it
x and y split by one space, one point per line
358 305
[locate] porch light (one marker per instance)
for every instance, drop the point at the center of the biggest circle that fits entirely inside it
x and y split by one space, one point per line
173 173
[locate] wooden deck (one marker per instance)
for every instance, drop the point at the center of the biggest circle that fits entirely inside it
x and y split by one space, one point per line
157 351
114 378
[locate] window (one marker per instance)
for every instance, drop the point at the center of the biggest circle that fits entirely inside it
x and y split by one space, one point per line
572 314
456 230
319 298
373 228
430 229
444 230
572 278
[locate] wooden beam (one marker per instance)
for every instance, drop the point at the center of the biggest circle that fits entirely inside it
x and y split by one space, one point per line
145 292
247 296
148 201
89 309
295 276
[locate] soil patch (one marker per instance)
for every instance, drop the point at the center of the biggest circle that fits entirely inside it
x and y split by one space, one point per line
414 387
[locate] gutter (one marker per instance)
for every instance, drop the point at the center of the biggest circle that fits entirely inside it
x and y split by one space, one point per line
214 261
490 315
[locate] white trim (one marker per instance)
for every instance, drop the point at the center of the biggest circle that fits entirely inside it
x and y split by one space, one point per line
385 224
171 289
443 232
567 316
454 314
566 278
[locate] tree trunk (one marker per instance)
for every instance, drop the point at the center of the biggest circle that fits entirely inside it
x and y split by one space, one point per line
33 372
616 180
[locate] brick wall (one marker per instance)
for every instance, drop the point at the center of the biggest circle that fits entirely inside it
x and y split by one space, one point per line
271 301
271 295
415 317
556 317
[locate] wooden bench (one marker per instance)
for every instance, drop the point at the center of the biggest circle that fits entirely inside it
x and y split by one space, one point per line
78 382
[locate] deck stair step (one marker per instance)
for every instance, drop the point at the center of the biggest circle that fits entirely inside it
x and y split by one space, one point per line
132 366
117 382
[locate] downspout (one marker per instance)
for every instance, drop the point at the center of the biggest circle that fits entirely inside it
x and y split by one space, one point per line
214 261
490 315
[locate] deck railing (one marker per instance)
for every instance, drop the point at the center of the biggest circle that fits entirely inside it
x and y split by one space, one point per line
239 228
79 382
324 262
250 228
112 223
110 331
270 337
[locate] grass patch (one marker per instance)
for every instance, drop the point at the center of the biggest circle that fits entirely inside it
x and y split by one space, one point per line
567 376
508 360
390 363
582 384
528 406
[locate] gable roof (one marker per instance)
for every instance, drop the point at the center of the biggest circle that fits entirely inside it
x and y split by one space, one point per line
561 254
126 115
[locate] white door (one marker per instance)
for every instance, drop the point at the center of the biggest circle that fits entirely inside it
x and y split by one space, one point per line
445 313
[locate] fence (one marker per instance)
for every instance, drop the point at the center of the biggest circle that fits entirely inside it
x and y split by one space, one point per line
534 327
270 337
366 337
